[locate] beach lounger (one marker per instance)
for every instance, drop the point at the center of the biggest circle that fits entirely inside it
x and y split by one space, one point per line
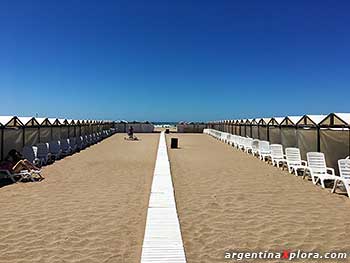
255 147
80 143
241 141
55 149
43 154
30 153
65 147
248 145
73 144
317 169
344 178
264 152
277 156
294 161
22 175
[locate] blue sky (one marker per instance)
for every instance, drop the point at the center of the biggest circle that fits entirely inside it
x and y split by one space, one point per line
174 60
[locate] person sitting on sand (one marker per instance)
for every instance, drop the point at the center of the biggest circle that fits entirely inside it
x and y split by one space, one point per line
131 132
14 163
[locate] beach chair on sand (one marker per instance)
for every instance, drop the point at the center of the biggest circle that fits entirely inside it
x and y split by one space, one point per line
264 152
65 147
317 169
277 156
30 153
294 161
22 175
344 178
80 143
248 145
43 153
73 144
55 149
241 141
255 147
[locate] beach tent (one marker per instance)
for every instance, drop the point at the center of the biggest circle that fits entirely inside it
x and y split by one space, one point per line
289 131
12 134
71 128
64 128
45 133
31 130
335 137
308 134
263 129
274 130
255 128
55 129
248 127
242 127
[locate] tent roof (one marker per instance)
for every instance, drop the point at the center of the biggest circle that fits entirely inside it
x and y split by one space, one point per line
264 121
336 119
10 121
29 121
275 121
290 120
311 120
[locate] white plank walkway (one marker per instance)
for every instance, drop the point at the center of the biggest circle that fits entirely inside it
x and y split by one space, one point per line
162 241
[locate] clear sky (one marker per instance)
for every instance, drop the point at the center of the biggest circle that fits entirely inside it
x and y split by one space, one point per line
174 60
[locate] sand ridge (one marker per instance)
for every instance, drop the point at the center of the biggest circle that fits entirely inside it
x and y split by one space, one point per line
90 208
228 200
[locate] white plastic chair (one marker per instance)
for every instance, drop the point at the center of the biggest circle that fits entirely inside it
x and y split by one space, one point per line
30 153
344 178
73 144
264 152
43 153
255 147
294 161
248 145
318 169
65 147
241 142
277 156
55 149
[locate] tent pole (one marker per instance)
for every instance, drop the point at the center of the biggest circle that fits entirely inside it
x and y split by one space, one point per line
2 143
318 139
23 137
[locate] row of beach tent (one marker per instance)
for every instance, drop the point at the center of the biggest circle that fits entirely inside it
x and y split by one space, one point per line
42 154
314 166
329 134
18 132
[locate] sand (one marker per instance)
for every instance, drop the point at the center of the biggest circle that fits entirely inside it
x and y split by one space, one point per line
230 201
91 207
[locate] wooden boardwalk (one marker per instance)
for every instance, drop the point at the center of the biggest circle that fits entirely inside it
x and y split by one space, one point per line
162 241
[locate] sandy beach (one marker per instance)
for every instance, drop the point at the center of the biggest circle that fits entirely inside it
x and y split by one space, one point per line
230 201
90 208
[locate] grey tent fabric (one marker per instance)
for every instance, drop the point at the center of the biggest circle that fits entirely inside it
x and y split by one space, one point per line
243 131
72 131
31 135
335 144
56 133
64 132
307 140
249 131
263 133
45 134
13 139
255 132
274 135
288 137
